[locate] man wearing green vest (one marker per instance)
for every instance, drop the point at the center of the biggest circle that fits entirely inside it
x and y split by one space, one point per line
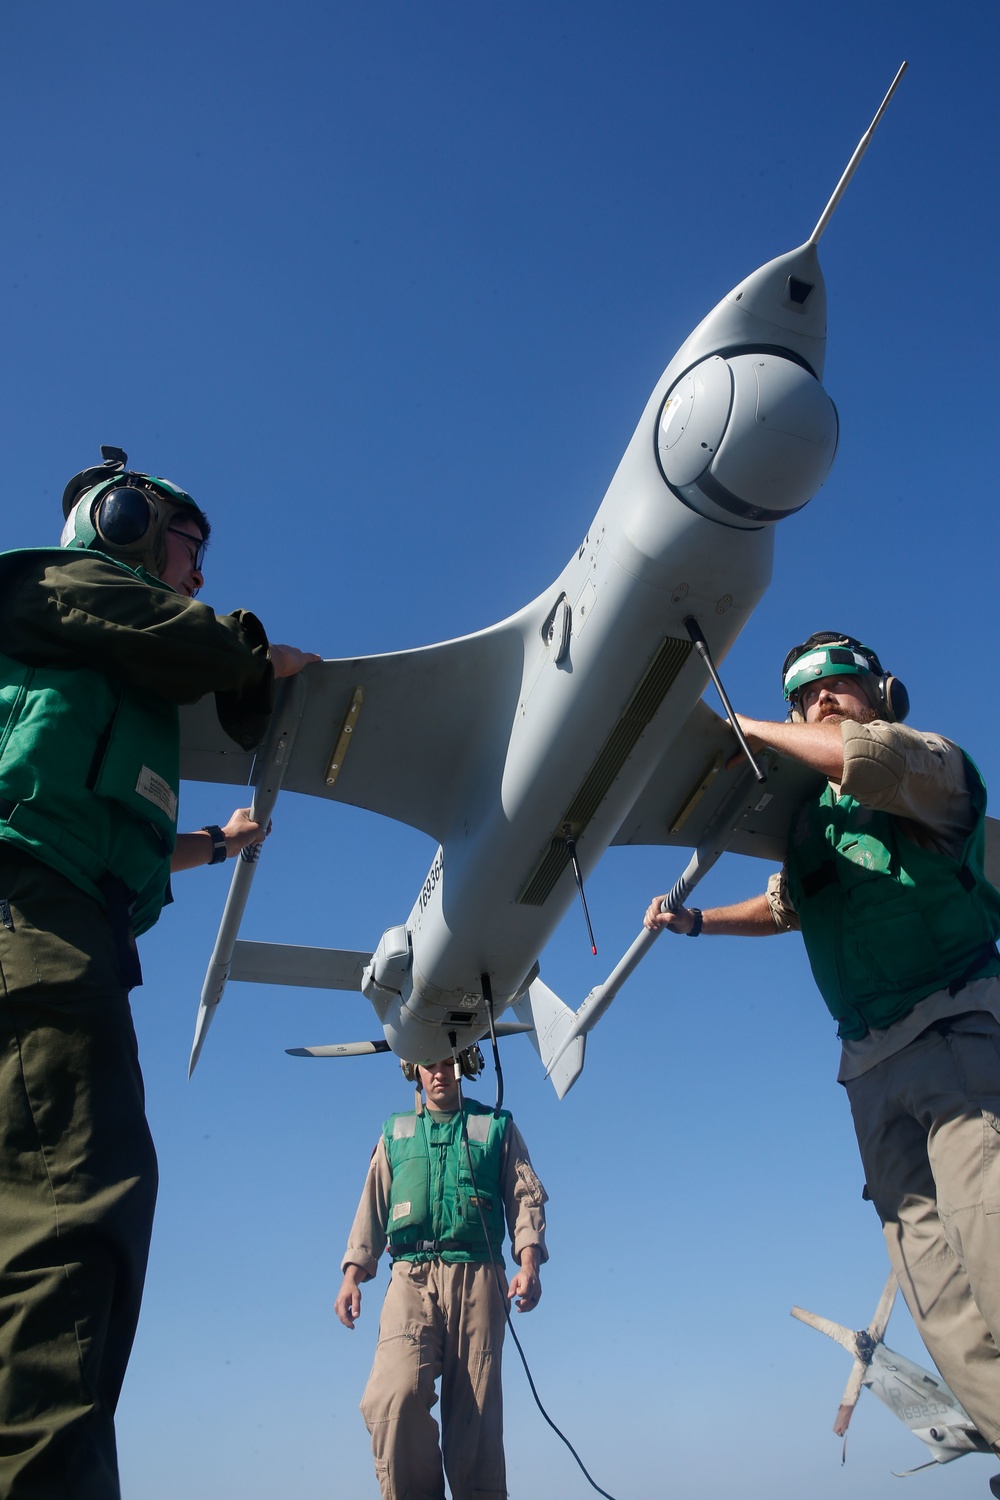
100 641
440 1184
884 877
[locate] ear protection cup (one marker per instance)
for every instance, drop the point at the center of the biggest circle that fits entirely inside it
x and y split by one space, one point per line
893 699
472 1061
123 516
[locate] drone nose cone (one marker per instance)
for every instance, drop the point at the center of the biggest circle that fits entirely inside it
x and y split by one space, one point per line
781 305
747 434
788 297
747 440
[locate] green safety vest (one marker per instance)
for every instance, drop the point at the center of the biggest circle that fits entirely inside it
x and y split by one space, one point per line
432 1201
885 922
89 776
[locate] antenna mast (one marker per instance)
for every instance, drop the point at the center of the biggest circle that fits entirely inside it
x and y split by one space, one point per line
851 167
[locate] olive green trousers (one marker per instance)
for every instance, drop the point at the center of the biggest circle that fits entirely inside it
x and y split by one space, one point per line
77 1188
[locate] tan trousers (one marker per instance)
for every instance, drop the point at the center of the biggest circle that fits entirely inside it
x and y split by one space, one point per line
928 1124
438 1322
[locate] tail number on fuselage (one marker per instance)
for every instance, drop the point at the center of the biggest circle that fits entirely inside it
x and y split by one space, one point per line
431 883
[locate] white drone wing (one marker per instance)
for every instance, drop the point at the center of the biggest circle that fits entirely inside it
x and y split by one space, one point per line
404 734
693 782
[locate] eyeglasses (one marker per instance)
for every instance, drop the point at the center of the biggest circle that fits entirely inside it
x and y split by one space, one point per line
195 547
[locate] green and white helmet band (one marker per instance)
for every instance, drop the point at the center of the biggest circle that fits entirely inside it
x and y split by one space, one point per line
823 661
86 536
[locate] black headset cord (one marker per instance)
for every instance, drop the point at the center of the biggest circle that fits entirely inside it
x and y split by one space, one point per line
504 1301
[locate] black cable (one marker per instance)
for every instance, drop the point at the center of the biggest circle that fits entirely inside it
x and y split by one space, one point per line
488 997
504 1300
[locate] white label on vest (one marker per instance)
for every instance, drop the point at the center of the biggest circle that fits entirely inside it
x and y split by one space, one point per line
400 1211
155 789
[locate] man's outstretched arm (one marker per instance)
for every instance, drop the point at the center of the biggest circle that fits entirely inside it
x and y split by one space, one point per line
751 918
820 746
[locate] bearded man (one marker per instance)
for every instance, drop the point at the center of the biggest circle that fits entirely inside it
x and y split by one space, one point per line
884 878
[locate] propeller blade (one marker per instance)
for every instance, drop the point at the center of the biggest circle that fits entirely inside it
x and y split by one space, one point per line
363 1049
849 1400
340 1049
877 1326
846 1337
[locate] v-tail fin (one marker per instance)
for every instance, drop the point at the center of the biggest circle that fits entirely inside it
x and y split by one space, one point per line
551 1019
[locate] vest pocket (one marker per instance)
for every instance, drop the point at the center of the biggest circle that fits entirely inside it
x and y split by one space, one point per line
890 953
12 695
973 1043
139 767
991 1162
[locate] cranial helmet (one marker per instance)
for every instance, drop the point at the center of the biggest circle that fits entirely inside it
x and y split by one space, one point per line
470 1060
126 514
829 654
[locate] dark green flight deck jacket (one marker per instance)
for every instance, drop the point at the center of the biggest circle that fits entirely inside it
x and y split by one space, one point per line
94 660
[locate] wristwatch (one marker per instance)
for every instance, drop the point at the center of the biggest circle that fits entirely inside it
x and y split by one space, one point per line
218 843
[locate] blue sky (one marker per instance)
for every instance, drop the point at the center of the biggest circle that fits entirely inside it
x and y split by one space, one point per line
387 288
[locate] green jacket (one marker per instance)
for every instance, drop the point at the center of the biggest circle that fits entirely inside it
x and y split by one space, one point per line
433 1202
94 659
886 922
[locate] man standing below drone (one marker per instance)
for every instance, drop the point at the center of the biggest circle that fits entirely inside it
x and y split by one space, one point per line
884 877
440 1183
